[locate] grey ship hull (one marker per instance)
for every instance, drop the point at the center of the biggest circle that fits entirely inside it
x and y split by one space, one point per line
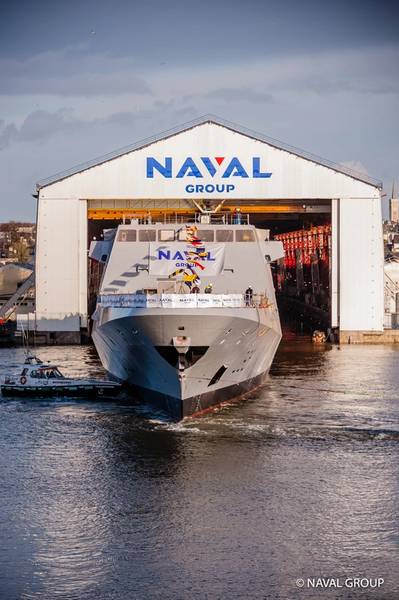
237 348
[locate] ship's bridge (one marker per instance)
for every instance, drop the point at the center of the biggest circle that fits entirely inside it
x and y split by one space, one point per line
159 264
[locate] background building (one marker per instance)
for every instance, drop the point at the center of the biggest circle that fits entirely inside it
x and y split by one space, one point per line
17 242
394 205
211 161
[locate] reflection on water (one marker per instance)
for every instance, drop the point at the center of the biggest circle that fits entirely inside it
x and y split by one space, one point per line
298 480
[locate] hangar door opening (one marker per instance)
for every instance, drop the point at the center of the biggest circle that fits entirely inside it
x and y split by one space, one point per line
304 279
95 230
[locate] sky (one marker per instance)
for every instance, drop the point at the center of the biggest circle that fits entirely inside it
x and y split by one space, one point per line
79 79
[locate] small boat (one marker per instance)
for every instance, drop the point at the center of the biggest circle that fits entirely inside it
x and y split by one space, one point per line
44 379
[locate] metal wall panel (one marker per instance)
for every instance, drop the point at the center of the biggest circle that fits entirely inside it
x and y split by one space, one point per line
361 303
61 279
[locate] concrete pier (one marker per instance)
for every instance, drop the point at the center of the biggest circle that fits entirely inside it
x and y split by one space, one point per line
387 336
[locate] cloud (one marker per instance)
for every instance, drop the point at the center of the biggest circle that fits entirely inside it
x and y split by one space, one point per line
117 97
371 70
43 125
74 72
71 72
7 134
240 94
336 104
356 166
38 125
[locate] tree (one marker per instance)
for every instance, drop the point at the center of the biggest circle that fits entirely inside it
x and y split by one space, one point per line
21 252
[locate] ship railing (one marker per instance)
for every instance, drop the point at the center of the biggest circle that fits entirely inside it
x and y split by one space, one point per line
200 301
225 218
197 218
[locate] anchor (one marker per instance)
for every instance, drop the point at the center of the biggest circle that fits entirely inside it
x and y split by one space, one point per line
182 345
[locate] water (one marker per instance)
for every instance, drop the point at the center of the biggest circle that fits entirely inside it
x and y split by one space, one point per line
301 480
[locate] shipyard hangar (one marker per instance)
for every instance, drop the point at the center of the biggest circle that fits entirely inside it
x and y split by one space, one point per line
327 216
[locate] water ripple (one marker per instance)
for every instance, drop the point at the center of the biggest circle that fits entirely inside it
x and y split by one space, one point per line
107 500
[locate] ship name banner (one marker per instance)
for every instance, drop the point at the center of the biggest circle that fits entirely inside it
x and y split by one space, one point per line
172 300
167 259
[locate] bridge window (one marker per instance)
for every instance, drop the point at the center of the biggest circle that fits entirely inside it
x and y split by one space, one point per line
37 374
147 235
224 235
245 235
127 235
181 234
205 235
166 235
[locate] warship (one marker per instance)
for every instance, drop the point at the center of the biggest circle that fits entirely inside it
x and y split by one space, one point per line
186 311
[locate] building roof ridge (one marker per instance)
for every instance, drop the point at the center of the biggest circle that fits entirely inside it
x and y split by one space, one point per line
202 120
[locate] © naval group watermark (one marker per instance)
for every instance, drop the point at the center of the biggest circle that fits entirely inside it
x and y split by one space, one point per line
360 583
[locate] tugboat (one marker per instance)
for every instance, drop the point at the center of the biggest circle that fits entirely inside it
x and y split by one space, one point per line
37 379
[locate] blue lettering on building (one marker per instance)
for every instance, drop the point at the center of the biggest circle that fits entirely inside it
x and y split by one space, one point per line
189 169
234 168
209 188
209 165
256 172
165 170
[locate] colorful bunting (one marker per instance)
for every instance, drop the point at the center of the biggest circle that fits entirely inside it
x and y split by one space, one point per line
196 252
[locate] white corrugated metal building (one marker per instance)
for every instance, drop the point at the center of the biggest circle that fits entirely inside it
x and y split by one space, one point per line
225 161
